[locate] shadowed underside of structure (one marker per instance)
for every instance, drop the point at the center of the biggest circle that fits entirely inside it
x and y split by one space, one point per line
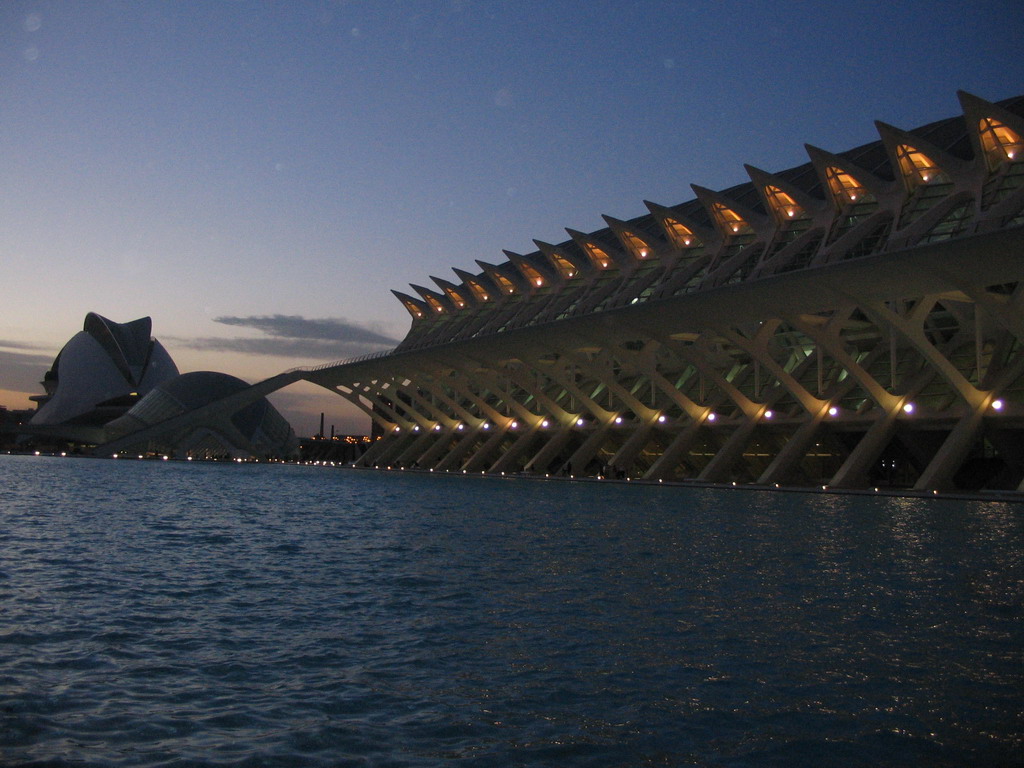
852 322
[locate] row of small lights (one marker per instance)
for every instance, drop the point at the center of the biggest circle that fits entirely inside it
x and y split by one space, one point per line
833 411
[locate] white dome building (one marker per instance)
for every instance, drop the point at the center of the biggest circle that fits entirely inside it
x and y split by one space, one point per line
101 372
256 429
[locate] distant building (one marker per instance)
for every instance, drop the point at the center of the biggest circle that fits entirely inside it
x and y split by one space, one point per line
256 429
101 372
112 381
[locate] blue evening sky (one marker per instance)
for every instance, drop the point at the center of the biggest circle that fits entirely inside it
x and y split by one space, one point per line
237 169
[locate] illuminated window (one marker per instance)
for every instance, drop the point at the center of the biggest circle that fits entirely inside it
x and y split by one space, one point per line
598 257
565 267
636 246
437 306
845 188
457 299
730 221
478 290
917 168
532 275
413 309
504 283
999 142
681 236
784 206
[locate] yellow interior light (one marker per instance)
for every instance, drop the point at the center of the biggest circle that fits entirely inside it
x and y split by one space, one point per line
478 290
784 205
531 274
916 167
999 141
636 246
681 236
599 258
564 266
729 219
844 188
505 283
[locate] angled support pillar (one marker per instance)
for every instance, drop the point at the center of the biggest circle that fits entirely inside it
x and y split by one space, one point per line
391 449
504 463
368 459
586 452
717 470
454 456
664 467
478 461
793 451
441 445
415 451
854 471
542 460
625 457
938 475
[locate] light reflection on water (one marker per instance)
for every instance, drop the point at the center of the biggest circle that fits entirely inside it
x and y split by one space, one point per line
227 615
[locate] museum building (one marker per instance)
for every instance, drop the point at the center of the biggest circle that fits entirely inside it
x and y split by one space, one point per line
855 321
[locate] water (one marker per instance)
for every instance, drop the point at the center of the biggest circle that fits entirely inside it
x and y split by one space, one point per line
172 614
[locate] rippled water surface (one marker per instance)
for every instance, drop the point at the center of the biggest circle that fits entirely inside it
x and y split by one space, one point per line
173 614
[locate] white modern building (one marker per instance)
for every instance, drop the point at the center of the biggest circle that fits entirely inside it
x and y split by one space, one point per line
855 321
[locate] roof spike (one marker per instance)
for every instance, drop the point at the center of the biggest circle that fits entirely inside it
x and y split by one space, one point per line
418 309
481 286
536 271
508 281
731 217
640 246
823 160
456 295
596 251
789 202
568 265
679 227
914 159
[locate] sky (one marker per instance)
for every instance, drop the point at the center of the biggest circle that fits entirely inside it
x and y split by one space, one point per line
257 177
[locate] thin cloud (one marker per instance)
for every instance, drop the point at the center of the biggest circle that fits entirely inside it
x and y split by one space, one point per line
336 330
4 344
306 349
